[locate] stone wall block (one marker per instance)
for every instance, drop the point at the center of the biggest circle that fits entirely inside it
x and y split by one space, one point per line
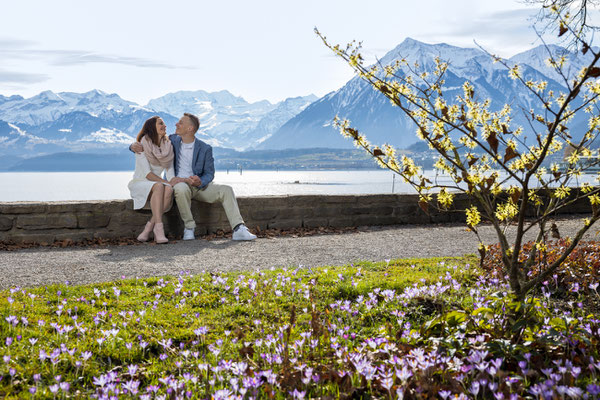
303 200
28 237
93 220
79 235
408 210
46 221
261 214
208 213
104 206
263 201
70 207
375 210
129 204
340 222
285 223
296 212
23 208
122 232
315 222
6 223
173 224
199 231
251 224
339 199
579 207
406 203
203 217
223 226
362 220
128 219
327 211
379 199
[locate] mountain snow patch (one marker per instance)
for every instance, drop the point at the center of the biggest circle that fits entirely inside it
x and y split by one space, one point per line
106 135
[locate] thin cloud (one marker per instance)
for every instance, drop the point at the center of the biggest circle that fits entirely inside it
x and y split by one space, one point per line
70 58
512 22
505 31
21 77
14 49
7 43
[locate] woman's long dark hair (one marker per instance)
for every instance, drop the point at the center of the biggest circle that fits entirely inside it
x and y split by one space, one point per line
149 129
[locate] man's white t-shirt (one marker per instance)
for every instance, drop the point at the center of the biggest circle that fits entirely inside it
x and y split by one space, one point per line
184 165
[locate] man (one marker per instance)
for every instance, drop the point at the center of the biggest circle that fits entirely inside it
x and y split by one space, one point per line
194 173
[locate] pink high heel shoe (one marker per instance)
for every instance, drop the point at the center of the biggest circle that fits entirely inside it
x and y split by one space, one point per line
159 233
145 235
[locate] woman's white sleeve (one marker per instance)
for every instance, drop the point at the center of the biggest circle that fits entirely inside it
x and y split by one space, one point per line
170 172
141 163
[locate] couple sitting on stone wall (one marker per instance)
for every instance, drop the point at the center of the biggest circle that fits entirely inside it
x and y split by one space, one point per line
189 167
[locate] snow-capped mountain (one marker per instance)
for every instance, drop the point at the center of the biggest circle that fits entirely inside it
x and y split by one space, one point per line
538 56
374 115
49 106
97 121
206 105
4 99
16 142
273 120
230 120
51 122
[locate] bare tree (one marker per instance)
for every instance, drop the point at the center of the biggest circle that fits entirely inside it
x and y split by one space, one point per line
575 13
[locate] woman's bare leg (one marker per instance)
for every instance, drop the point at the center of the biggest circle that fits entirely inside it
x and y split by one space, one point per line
156 202
168 198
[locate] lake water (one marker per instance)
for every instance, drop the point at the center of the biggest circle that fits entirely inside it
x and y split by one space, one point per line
56 186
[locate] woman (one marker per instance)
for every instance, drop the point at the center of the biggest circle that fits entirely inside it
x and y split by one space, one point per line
147 184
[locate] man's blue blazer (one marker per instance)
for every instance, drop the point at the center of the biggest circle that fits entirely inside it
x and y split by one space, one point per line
203 163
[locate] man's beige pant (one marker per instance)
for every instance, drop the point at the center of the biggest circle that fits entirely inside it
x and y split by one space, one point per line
223 194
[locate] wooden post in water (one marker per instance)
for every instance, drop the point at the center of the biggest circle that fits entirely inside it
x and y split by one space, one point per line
393 182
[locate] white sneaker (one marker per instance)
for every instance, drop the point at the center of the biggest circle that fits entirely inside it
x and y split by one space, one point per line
188 234
243 233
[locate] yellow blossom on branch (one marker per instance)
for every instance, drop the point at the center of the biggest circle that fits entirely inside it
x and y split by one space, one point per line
445 198
473 216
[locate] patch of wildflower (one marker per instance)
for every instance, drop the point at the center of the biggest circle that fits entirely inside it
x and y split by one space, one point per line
393 329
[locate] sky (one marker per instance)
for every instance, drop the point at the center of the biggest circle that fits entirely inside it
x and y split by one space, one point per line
261 49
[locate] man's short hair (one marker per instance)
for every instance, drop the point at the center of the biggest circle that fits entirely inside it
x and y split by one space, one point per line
195 121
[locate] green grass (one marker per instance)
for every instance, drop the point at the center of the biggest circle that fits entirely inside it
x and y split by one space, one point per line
277 322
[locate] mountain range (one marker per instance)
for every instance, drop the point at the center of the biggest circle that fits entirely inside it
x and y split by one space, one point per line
98 122
373 114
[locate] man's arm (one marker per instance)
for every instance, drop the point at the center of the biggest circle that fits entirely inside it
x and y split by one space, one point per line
136 147
208 172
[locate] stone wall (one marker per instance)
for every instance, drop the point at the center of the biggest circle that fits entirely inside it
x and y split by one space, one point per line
46 222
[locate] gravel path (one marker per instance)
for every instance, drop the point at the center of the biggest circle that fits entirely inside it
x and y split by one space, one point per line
77 265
